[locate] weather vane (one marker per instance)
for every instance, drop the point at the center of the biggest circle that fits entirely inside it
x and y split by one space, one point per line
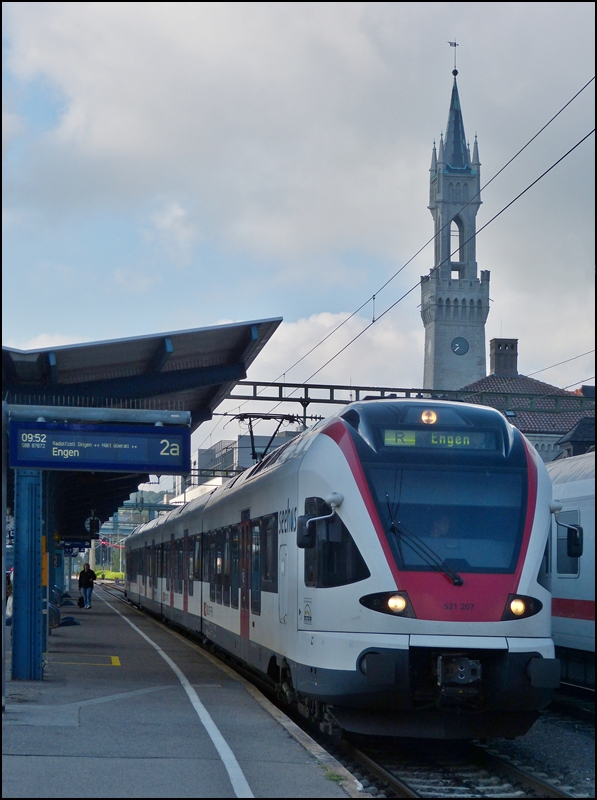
454 44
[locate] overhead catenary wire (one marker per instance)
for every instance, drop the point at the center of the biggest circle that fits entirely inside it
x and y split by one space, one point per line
559 364
550 394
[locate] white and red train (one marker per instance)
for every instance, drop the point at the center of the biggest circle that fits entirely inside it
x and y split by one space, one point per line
380 569
570 576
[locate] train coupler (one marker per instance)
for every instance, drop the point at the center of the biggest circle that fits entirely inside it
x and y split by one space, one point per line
458 679
457 670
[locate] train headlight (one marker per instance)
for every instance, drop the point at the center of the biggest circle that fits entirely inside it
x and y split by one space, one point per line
429 417
517 606
520 606
397 603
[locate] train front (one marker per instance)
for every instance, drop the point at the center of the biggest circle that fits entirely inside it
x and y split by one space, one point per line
458 510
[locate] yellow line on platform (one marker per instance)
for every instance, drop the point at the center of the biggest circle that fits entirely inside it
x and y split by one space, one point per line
114 661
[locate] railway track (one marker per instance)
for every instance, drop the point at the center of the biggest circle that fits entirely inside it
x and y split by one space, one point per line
474 771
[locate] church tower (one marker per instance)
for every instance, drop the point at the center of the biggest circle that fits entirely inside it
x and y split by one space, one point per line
454 300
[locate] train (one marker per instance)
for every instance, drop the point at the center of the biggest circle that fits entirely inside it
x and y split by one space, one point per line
379 571
570 576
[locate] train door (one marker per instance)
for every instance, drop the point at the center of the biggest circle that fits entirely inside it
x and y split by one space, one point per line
283 584
245 580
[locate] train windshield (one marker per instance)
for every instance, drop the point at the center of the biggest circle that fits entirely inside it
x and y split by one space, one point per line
470 519
449 483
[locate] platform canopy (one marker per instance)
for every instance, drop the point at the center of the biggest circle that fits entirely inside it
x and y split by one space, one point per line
190 370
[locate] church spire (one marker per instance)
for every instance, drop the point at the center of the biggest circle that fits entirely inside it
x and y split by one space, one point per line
476 161
455 146
454 296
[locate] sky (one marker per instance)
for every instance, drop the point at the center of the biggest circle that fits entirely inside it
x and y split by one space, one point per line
169 166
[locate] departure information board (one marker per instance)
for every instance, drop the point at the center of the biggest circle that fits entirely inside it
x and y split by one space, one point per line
158 450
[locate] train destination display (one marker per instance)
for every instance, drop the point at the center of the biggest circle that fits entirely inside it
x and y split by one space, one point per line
159 450
456 440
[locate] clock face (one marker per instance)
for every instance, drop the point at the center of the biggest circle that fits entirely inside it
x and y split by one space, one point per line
459 345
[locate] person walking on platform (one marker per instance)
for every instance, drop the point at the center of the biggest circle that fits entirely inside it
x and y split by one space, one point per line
86 578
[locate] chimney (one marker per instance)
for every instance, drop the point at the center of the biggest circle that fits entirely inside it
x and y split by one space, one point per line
503 357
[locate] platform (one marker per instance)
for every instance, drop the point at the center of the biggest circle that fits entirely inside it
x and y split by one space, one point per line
129 708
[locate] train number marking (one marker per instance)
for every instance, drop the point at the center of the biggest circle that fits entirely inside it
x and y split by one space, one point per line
457 606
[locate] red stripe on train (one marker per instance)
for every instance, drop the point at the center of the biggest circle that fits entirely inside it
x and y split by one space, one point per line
573 609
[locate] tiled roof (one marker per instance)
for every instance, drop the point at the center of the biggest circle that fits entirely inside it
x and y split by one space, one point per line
519 384
544 422
583 431
543 418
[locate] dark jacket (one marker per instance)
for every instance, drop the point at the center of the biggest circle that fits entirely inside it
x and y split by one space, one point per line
86 578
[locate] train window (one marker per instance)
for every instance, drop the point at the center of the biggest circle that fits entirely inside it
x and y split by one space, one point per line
255 567
219 564
211 566
269 553
167 550
471 519
310 566
226 568
206 542
566 565
335 560
179 566
234 565
544 576
197 546
153 577
190 562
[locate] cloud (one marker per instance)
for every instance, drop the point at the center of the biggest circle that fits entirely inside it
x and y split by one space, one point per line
280 153
176 232
295 129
